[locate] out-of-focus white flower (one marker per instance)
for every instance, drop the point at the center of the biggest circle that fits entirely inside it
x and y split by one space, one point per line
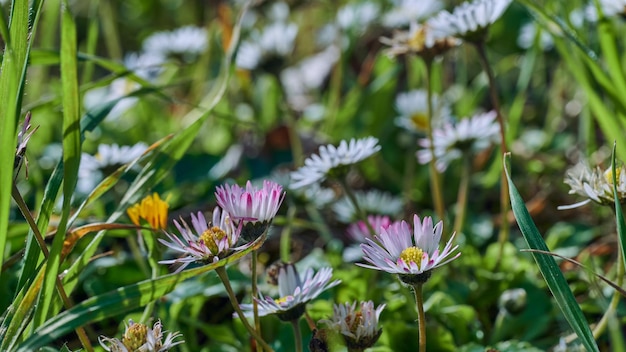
595 184
420 40
139 337
188 41
370 202
613 7
453 140
410 253
355 18
468 21
275 41
405 12
333 159
413 109
358 328
295 292
528 35
308 75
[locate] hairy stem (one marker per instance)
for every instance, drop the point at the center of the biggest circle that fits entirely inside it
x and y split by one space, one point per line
421 318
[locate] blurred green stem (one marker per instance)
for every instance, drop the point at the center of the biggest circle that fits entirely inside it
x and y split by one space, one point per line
503 236
285 235
461 203
360 213
255 294
297 334
149 239
602 324
435 176
409 173
421 317
221 272
133 244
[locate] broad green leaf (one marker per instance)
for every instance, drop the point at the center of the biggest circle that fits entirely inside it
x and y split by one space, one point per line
120 301
549 268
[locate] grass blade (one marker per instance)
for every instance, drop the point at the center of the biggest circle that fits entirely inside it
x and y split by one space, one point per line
549 268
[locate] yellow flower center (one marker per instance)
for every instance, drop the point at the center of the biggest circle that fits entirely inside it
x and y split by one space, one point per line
420 121
152 209
353 321
281 300
412 254
417 41
608 174
135 336
210 238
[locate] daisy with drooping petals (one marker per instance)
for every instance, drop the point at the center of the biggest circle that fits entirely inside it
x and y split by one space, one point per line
139 337
453 140
207 243
595 184
333 160
358 328
470 20
295 292
411 254
252 206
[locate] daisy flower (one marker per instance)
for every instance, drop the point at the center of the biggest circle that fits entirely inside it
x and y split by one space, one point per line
188 41
267 48
358 328
613 7
453 140
295 292
406 11
419 40
470 20
333 160
411 254
594 184
413 109
139 337
206 243
370 202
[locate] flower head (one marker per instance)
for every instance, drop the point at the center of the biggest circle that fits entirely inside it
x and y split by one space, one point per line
453 140
295 292
359 230
420 40
595 184
189 41
207 242
470 20
268 48
413 109
613 7
251 206
152 209
411 254
139 337
333 161
358 328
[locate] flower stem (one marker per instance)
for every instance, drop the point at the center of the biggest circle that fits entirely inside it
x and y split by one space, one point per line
461 203
255 293
602 324
503 236
360 213
297 334
221 272
285 235
421 318
435 176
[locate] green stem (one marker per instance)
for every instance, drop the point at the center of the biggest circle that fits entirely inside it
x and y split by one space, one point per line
503 236
461 204
360 213
221 272
255 293
297 334
149 239
435 176
421 318
602 324
285 235
409 174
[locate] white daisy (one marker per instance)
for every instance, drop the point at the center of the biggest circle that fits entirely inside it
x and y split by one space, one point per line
358 328
370 202
333 159
528 36
594 184
295 292
411 254
470 20
139 337
413 109
420 40
404 12
207 243
355 18
275 42
613 7
188 41
452 141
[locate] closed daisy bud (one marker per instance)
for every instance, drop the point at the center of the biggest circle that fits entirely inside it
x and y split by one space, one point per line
358 328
